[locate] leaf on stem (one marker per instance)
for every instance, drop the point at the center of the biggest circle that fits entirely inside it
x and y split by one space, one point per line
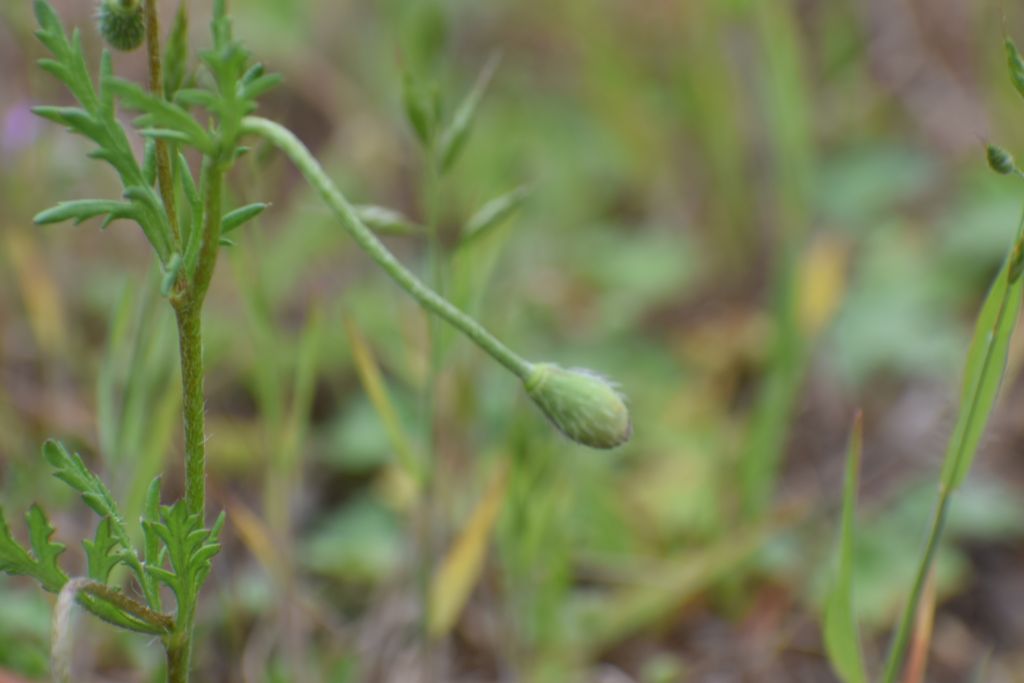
42 563
235 219
986 362
422 106
83 209
1016 64
494 213
385 221
453 138
176 54
161 115
189 546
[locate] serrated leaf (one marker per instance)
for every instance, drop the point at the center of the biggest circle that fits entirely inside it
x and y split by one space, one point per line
40 530
454 137
71 470
494 213
238 217
842 640
189 549
80 210
385 221
42 563
986 363
100 554
161 114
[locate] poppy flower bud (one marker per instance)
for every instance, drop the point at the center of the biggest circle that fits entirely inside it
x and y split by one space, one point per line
122 24
581 404
999 160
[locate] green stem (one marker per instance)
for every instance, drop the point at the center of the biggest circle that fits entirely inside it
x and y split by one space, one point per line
156 86
188 308
894 663
179 655
433 302
190 345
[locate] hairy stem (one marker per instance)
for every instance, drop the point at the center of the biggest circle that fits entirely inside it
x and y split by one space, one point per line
899 642
433 302
128 605
156 86
190 345
179 655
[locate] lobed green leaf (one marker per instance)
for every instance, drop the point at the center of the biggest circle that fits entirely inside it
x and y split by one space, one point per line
43 567
159 113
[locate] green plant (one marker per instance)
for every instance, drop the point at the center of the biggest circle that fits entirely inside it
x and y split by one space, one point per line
184 220
985 366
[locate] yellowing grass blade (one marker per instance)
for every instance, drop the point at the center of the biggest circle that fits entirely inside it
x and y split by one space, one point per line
373 384
256 536
40 294
842 641
461 569
821 284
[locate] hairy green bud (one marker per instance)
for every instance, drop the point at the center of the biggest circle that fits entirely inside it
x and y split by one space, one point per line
122 23
581 404
999 160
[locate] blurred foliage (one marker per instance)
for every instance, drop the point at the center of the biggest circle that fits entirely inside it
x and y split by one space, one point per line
742 210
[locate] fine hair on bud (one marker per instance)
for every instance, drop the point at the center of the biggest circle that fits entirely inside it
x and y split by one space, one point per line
122 23
581 404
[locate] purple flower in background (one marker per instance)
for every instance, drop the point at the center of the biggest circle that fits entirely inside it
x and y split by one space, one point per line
20 128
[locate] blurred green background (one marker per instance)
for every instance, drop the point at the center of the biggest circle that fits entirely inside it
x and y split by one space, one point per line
756 215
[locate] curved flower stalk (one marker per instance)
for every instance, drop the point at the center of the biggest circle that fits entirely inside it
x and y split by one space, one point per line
581 404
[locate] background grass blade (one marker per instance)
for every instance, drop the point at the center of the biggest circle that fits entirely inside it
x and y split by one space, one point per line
842 640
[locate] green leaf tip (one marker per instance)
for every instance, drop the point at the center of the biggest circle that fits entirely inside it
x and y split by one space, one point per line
122 24
581 404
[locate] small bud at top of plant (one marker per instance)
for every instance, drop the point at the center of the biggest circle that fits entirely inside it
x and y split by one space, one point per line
581 404
122 24
999 160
